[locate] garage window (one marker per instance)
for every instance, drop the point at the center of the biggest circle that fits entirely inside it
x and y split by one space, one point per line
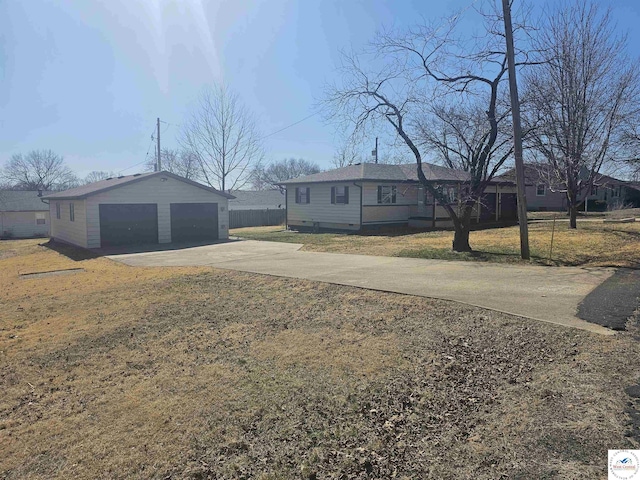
72 212
58 211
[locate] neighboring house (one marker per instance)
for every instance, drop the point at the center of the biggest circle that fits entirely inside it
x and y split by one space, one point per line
607 192
371 195
257 200
146 208
23 214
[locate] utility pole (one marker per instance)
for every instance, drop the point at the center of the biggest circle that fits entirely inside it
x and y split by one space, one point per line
517 134
158 160
375 152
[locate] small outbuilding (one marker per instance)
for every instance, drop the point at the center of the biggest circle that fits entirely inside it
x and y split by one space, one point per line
23 214
145 208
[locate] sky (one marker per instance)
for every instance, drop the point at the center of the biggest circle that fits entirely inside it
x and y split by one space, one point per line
87 79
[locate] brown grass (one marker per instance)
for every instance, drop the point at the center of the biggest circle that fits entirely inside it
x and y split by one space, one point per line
594 243
121 372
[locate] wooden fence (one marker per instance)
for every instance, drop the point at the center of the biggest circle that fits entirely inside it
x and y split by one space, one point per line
256 218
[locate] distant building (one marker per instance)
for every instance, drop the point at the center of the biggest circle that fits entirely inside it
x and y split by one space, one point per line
23 214
257 200
607 192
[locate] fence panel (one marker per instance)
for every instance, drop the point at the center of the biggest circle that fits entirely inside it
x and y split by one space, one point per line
256 218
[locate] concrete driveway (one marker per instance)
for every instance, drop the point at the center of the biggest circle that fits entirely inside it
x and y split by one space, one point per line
548 294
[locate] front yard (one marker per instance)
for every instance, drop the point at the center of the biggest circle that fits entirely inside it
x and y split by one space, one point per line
122 372
593 243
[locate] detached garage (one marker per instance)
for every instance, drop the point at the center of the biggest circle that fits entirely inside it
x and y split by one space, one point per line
139 209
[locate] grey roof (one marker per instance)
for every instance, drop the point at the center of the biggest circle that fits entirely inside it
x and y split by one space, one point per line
385 173
256 199
115 182
533 176
22 201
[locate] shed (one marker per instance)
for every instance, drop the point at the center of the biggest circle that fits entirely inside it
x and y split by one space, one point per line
145 208
23 214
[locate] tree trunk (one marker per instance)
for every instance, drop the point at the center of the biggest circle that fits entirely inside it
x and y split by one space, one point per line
461 239
573 209
462 229
573 213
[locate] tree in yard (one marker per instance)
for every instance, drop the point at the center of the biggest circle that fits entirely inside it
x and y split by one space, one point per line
580 100
38 170
97 175
268 177
181 162
223 137
439 94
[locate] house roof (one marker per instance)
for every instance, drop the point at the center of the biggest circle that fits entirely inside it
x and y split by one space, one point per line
22 201
382 172
533 176
85 191
256 199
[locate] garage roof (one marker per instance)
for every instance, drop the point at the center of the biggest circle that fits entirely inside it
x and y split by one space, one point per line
85 191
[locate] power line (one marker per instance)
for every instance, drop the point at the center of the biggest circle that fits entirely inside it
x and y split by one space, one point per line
289 126
145 157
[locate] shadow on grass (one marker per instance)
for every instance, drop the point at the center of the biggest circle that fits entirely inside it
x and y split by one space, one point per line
78 254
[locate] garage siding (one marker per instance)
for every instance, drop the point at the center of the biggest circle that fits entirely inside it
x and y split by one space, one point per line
154 190
64 229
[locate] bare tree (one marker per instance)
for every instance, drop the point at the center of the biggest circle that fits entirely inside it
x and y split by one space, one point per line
437 92
181 162
38 170
97 175
581 99
223 136
268 177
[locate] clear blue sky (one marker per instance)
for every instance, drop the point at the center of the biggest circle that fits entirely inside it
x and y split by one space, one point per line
87 79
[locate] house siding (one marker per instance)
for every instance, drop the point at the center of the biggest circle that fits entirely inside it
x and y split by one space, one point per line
23 224
162 193
64 229
320 210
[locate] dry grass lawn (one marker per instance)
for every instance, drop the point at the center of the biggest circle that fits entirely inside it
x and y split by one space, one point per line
122 372
593 243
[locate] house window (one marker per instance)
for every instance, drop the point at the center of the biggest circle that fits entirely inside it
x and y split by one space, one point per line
541 190
594 190
386 194
40 219
72 212
615 191
303 195
340 195
58 211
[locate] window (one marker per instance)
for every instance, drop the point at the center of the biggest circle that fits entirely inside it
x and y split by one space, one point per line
58 211
541 190
386 194
40 219
615 191
340 195
594 190
72 212
303 195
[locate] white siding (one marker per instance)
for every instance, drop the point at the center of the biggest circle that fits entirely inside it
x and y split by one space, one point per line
320 209
23 224
406 194
64 229
163 193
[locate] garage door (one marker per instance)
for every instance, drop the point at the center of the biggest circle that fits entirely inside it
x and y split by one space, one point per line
128 224
194 222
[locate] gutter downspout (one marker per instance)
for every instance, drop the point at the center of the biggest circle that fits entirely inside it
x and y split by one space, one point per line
286 207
